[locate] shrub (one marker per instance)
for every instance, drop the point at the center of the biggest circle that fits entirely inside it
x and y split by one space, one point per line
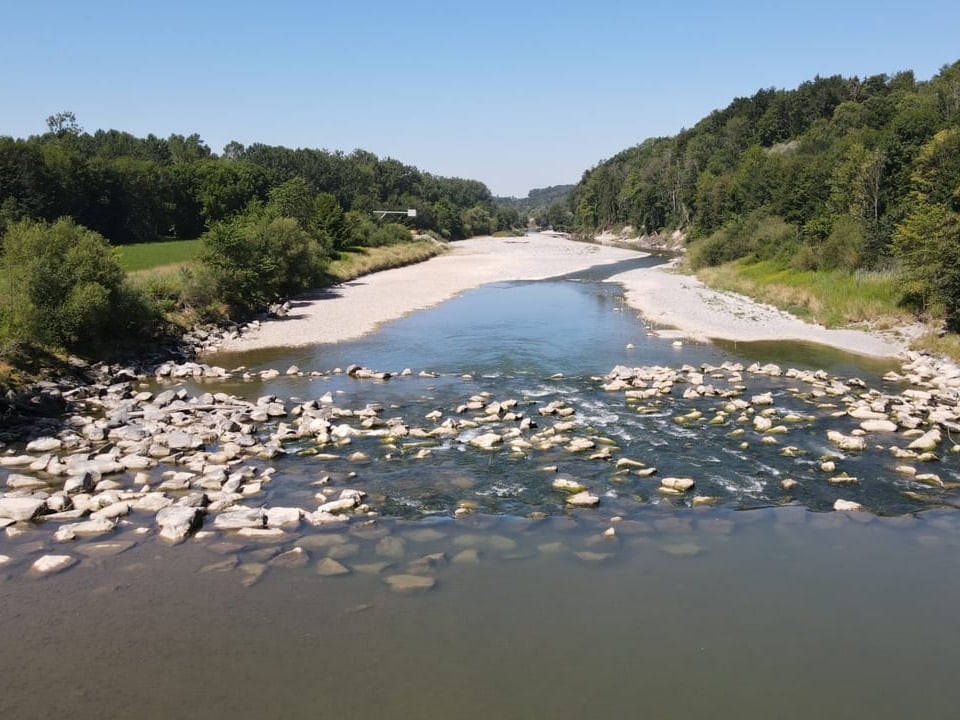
756 237
256 259
67 289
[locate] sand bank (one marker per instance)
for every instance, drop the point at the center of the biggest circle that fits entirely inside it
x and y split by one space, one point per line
680 302
687 308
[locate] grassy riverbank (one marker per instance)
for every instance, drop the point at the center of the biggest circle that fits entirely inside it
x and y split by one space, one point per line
835 298
359 261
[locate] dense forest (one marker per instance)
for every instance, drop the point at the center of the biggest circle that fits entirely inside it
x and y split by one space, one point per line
133 190
849 173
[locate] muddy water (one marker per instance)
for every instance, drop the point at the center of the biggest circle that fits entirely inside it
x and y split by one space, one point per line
779 610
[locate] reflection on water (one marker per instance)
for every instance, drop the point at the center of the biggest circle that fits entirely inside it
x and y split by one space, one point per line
642 607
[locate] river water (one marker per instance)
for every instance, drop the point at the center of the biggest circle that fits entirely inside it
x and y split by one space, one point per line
764 604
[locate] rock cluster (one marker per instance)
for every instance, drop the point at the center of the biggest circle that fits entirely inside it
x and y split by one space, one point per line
174 465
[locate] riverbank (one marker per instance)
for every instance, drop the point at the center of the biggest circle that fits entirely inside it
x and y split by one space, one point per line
680 303
688 308
353 309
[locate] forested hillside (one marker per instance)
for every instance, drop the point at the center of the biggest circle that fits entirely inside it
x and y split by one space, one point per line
538 204
839 173
132 189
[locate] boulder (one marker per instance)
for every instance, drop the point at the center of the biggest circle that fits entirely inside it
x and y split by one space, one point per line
49 564
846 442
176 522
583 499
486 441
847 505
24 482
928 441
88 528
565 484
240 518
21 508
679 484
409 584
283 517
44 445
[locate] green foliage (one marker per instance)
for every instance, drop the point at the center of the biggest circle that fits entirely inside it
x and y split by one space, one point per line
756 236
256 259
137 190
66 288
928 242
837 175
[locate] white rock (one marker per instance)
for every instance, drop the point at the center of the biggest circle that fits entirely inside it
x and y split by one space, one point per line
846 442
111 511
583 499
52 564
24 482
928 441
283 517
336 506
21 508
321 518
240 518
567 485
675 483
486 441
152 502
44 445
270 534
878 425
177 521
847 505
89 528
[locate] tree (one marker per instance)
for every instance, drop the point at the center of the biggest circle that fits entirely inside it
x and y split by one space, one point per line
928 242
68 290
64 123
256 259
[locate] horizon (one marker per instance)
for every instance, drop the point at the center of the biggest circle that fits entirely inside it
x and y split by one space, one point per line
455 92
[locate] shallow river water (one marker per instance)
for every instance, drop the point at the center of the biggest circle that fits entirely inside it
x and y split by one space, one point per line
766 604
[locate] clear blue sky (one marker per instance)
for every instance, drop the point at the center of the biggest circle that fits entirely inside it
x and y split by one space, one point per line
517 94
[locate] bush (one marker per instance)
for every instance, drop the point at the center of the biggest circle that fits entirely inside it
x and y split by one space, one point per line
755 237
255 260
65 288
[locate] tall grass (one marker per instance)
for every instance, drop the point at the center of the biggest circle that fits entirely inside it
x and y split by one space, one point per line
362 261
835 298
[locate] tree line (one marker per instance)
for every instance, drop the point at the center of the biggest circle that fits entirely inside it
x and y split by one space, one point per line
840 172
133 190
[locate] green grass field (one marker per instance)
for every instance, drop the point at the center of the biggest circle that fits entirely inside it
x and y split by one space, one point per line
154 256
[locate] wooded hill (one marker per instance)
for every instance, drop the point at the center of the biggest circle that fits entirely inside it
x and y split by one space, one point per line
536 205
133 190
838 173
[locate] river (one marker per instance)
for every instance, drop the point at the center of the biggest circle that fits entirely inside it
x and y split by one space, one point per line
765 603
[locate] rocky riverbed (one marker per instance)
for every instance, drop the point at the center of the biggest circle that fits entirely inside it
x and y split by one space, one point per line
140 459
